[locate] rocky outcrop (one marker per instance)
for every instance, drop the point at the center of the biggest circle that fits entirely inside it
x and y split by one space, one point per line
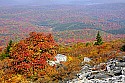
111 72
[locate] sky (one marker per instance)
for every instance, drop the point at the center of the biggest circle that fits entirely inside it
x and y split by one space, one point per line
50 2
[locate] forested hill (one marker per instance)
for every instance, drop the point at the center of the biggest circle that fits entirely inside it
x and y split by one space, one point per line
17 21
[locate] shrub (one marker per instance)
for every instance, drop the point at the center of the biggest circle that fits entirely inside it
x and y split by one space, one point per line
30 55
123 48
3 56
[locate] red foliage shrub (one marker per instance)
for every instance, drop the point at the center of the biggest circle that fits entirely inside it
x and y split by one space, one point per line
32 53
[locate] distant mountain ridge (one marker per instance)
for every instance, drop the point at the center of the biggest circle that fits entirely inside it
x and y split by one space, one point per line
56 2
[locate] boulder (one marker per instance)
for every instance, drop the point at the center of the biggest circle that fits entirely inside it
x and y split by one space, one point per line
117 72
123 71
86 59
86 67
60 57
110 67
120 64
101 76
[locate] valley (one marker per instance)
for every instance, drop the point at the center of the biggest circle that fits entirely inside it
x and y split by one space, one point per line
17 21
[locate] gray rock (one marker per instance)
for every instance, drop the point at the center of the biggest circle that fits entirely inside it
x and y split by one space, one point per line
111 80
86 67
123 71
116 72
86 59
88 74
120 64
118 77
112 67
101 76
84 75
60 57
91 77
80 76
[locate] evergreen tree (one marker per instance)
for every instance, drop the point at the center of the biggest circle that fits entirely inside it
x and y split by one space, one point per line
8 47
99 39
6 52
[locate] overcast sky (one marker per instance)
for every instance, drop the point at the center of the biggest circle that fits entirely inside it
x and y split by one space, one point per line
48 2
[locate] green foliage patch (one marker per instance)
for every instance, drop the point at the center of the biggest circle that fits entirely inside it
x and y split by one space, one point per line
123 48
